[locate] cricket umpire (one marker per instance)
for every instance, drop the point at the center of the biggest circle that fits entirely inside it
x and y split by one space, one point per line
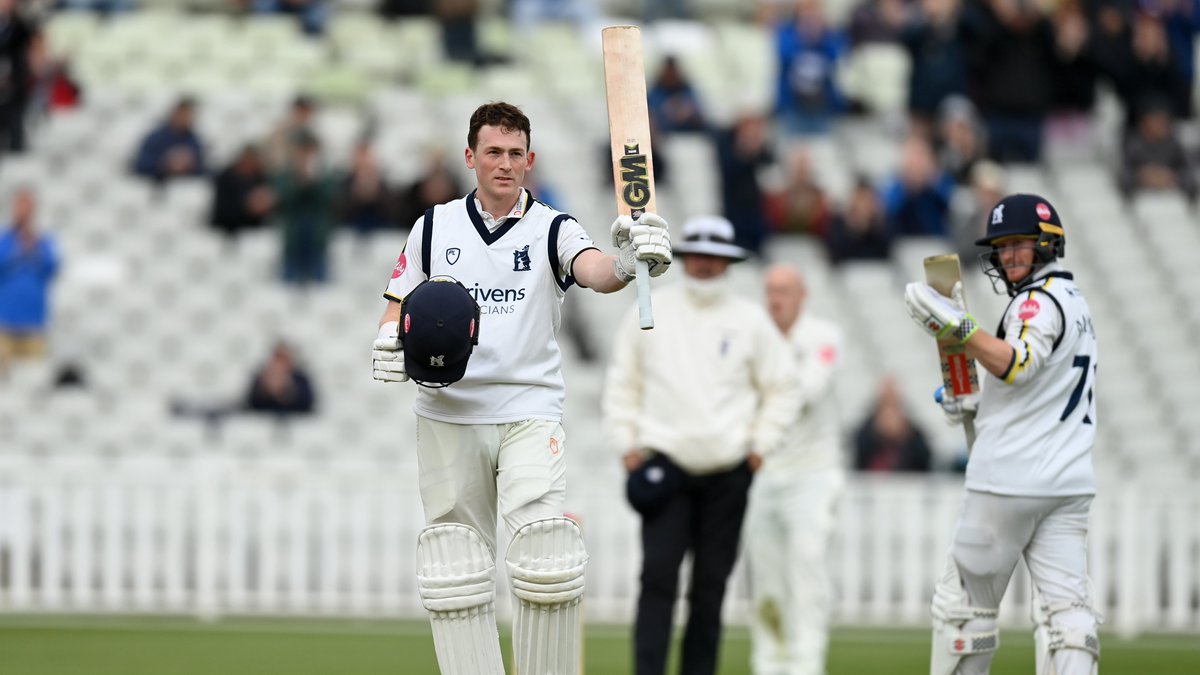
693 407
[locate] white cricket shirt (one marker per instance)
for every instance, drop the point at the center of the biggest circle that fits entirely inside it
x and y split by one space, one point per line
814 441
1036 426
519 278
713 381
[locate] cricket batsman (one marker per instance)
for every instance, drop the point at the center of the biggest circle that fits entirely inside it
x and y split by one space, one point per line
1030 482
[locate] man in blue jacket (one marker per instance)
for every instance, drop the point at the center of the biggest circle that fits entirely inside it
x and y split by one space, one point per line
28 262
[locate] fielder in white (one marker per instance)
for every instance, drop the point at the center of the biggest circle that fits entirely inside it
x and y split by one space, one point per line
1030 480
790 516
492 442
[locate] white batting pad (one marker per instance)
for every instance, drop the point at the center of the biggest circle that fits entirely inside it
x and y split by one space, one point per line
959 630
545 561
1064 637
456 579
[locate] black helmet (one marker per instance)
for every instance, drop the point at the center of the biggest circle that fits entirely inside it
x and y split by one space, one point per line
1028 216
439 328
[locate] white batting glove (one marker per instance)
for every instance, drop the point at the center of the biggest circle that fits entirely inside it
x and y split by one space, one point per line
956 407
647 238
388 356
941 317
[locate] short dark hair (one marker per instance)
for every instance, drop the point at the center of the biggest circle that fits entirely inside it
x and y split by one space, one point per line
497 114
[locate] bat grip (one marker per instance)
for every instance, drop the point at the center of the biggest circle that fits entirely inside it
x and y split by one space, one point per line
645 312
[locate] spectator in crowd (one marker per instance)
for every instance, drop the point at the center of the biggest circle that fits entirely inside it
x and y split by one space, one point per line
398 9
367 201
281 142
694 405
438 186
972 208
666 9
99 6
306 202
1111 42
742 152
460 37
312 14
917 200
961 139
860 231
16 35
281 387
877 21
802 206
173 149
52 87
543 191
1154 71
1011 64
1153 158
28 263
938 56
1075 76
674 103
1181 18
526 14
887 440
242 197
808 51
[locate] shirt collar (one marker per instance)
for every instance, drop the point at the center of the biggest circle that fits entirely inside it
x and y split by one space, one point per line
518 210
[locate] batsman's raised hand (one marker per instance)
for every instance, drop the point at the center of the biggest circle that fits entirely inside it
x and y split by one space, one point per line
942 317
648 238
388 356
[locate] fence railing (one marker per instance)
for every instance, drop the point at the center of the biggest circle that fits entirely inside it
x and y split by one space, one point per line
213 536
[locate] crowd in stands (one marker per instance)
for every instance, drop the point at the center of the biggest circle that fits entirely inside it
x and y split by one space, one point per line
991 84
990 81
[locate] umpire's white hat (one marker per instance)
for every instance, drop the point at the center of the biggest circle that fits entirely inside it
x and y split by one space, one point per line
710 235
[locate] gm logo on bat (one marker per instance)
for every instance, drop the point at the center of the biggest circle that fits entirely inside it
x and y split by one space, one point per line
635 177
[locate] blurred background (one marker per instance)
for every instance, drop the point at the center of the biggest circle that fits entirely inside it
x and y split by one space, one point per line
202 201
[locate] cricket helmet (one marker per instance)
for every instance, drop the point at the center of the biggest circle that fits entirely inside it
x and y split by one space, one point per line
439 328
1026 216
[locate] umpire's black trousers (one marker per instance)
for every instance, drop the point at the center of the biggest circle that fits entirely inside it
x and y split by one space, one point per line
704 516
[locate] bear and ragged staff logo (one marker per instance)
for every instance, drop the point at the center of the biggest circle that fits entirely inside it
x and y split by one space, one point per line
521 260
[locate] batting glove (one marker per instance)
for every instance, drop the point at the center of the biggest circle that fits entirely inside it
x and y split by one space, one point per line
956 407
388 355
646 238
941 317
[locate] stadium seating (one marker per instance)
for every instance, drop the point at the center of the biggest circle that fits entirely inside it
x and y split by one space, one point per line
146 280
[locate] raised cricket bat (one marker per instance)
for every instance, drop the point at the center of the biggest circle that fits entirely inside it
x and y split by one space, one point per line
629 134
958 372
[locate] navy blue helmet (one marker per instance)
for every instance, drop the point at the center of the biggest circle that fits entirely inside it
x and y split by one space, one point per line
439 328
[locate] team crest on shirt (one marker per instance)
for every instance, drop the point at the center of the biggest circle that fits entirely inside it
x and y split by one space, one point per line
1028 309
521 262
452 255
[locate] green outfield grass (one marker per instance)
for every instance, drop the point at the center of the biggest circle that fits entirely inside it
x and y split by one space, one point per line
36 645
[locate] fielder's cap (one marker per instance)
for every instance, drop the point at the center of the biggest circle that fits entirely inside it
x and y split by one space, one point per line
439 328
709 235
651 486
1021 215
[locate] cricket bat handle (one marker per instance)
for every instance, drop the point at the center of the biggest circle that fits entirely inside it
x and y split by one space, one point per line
968 423
645 311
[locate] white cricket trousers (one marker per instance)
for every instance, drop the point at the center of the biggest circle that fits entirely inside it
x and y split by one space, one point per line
788 526
469 471
994 531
